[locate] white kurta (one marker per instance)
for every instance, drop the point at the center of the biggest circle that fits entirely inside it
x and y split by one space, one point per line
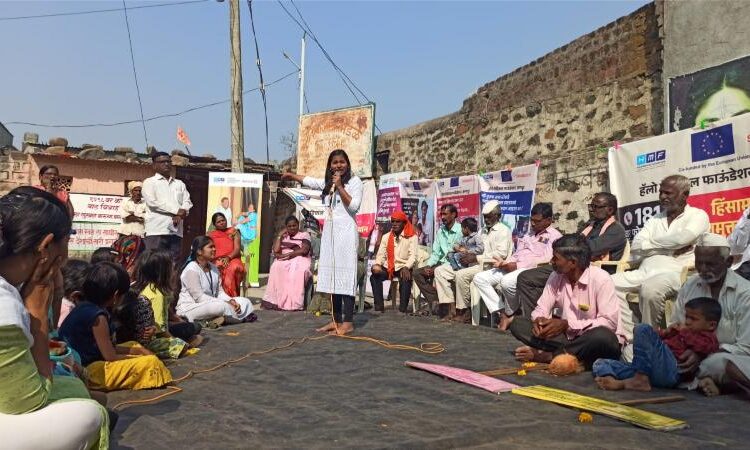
337 264
739 240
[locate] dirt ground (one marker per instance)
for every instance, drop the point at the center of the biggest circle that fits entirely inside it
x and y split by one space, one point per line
337 393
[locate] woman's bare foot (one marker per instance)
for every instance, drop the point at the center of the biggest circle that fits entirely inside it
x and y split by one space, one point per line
708 387
505 322
343 329
528 354
610 383
330 326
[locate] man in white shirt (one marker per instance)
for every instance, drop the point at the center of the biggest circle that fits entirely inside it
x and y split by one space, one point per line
498 244
731 365
663 247
226 210
739 245
133 212
168 203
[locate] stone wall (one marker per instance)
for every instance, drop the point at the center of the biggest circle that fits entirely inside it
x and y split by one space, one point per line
560 109
14 171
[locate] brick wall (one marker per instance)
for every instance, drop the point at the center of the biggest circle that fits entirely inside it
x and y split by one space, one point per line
602 87
14 171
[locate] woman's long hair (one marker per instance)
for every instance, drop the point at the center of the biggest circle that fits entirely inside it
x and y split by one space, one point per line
154 267
345 177
27 215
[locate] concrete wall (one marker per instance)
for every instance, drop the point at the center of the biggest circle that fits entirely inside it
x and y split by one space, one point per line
6 139
702 33
602 87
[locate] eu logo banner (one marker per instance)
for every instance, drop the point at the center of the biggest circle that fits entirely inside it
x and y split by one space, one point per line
712 143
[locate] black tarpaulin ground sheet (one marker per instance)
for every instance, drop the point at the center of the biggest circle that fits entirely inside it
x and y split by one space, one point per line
338 393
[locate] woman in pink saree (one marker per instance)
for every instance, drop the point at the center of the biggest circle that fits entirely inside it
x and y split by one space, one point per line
290 271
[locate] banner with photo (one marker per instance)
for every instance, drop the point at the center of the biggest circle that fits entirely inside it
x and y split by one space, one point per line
418 203
238 196
309 199
389 195
96 220
715 159
714 93
514 188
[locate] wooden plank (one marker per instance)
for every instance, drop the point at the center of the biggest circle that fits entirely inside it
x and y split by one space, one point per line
653 400
637 417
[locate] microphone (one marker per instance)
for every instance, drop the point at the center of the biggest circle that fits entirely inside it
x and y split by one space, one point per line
333 185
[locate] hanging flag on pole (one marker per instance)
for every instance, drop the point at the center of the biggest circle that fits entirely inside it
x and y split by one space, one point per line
182 136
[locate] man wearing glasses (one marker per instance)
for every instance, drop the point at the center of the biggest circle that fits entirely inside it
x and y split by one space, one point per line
605 236
168 203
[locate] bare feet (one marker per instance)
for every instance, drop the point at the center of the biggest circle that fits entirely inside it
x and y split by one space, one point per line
343 329
638 383
505 322
708 387
610 383
330 326
196 341
528 354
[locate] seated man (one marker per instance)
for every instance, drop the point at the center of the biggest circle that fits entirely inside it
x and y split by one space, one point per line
663 246
731 366
498 244
532 249
739 245
448 234
578 312
396 256
606 238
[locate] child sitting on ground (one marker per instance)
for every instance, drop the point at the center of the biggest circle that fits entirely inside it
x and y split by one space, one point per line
655 352
470 243
135 322
154 280
87 330
74 273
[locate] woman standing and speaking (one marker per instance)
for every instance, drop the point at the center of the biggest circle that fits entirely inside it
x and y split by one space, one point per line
337 266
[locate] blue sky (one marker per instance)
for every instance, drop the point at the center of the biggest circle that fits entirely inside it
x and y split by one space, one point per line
416 60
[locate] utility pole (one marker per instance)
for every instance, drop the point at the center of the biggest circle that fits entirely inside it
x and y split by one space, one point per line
301 69
235 69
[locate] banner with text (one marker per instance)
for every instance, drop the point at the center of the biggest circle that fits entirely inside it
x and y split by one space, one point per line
389 195
96 220
514 188
238 196
715 159
462 192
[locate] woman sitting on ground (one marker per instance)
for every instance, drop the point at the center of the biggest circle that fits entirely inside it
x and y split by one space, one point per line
201 296
154 275
290 271
33 245
228 253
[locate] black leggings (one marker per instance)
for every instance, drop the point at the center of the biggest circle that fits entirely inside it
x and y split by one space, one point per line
345 301
184 330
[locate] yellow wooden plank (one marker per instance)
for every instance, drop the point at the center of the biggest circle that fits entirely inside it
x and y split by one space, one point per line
625 413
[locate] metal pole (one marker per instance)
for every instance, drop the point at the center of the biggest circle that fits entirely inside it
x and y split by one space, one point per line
302 78
235 69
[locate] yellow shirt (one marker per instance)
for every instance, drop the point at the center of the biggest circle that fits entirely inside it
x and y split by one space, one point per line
159 305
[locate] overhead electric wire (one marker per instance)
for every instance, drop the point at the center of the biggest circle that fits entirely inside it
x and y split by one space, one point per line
148 119
135 73
97 11
344 77
260 74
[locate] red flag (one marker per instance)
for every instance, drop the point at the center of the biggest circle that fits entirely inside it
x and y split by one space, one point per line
182 136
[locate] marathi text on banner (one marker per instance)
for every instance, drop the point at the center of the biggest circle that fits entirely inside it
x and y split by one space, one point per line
97 208
514 189
716 160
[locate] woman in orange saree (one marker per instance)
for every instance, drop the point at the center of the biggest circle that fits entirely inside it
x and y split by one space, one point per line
228 253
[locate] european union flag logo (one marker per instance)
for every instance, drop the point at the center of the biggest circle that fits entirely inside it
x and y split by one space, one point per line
454 182
713 143
416 186
506 176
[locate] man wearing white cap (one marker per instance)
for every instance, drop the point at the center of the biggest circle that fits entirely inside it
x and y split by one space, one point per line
498 244
731 366
133 212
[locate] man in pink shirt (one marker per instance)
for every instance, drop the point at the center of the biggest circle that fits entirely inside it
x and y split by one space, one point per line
532 249
578 312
